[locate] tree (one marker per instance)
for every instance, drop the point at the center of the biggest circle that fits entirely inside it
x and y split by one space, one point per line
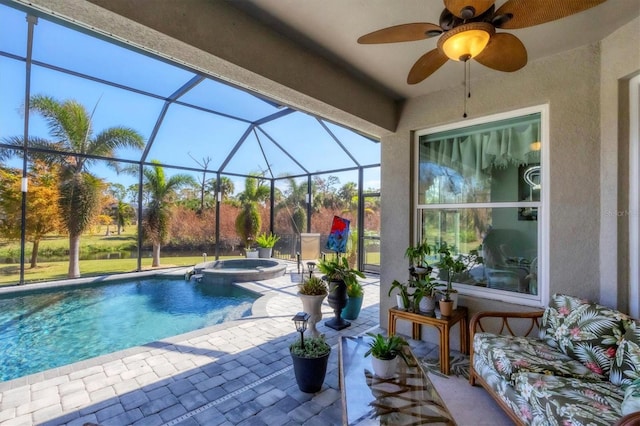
202 182
295 203
248 220
326 192
158 212
43 213
348 195
226 187
120 211
71 130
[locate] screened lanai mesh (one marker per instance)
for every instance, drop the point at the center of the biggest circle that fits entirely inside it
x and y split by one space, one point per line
207 132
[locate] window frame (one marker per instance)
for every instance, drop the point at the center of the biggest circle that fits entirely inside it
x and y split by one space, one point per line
542 298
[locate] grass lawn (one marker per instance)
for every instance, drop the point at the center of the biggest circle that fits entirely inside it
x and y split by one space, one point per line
58 245
50 271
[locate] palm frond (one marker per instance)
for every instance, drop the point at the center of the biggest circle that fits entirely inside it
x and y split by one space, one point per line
106 142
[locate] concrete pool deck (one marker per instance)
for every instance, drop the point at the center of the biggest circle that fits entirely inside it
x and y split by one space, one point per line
233 373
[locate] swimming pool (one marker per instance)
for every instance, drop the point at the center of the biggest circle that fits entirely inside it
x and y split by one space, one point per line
52 328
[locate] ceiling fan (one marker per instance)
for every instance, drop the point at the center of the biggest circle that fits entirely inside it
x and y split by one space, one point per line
467 29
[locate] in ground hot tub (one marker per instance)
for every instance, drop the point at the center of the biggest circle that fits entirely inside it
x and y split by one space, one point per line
240 270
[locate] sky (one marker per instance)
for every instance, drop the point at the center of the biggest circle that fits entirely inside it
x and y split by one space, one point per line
186 134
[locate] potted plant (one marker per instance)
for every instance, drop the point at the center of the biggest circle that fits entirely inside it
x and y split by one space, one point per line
418 258
310 357
312 292
450 268
355 295
250 251
265 244
402 298
424 297
339 275
385 351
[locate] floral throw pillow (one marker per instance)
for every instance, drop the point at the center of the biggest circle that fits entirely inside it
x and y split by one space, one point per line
625 369
583 330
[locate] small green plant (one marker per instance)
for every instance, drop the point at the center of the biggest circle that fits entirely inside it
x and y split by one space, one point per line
404 292
314 347
266 241
338 269
383 347
355 290
425 287
313 286
418 255
451 266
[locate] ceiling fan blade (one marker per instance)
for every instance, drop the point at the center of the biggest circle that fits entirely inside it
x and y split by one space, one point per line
527 13
404 32
505 52
467 9
426 65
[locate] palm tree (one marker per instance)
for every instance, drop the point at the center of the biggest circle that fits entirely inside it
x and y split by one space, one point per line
348 196
295 203
71 129
121 211
158 212
248 220
226 187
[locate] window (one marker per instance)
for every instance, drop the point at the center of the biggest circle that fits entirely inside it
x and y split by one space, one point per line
481 187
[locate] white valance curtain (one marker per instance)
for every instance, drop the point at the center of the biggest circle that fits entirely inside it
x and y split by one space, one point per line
474 153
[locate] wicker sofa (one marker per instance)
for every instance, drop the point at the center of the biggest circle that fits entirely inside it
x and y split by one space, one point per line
582 367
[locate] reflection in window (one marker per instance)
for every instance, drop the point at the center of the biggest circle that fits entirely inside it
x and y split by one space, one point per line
477 164
479 188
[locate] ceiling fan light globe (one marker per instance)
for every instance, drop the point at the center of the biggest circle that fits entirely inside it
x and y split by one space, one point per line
466 41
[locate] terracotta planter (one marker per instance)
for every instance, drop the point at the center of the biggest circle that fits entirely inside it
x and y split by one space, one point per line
313 306
446 308
384 368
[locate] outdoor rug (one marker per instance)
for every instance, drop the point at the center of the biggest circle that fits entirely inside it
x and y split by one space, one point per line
459 365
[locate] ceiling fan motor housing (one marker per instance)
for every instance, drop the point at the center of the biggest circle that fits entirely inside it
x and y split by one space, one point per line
466 41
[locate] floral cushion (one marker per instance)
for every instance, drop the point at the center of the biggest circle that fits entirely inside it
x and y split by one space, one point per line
512 354
503 389
626 367
570 401
585 331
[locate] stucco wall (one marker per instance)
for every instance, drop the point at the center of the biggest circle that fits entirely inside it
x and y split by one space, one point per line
569 84
620 62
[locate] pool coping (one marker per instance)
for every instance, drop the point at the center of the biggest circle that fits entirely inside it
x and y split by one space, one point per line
258 310
72 282
222 275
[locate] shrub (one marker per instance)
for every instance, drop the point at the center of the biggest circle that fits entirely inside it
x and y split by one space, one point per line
313 286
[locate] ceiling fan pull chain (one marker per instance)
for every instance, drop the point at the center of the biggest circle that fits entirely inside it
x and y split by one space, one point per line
468 75
467 85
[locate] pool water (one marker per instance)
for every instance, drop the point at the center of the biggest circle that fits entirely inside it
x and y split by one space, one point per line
49 329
